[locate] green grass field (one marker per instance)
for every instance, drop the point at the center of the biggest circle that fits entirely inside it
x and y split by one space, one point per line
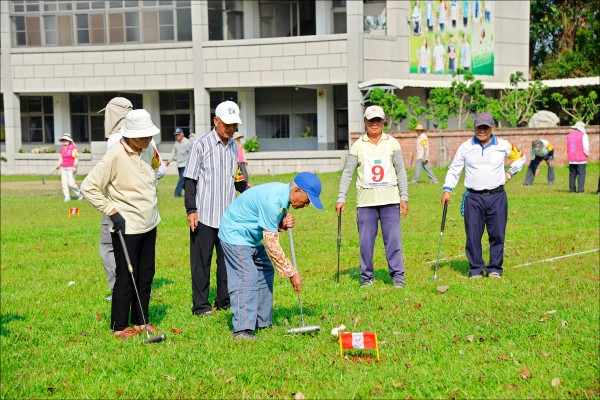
476 340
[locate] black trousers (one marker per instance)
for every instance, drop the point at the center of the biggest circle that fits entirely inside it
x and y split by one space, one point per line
202 242
577 173
141 249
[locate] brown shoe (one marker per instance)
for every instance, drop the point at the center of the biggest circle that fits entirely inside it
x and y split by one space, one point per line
126 333
142 328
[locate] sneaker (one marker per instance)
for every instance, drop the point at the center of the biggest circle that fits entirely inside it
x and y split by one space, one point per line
80 197
476 277
126 333
142 328
244 335
494 275
203 314
398 284
367 283
109 298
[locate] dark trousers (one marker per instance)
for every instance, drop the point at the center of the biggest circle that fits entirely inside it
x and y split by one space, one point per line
202 242
141 248
491 212
577 172
533 166
180 182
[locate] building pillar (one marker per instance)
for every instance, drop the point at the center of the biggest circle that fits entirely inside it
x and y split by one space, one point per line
202 121
323 17
12 105
247 103
325 118
354 15
62 116
251 20
151 102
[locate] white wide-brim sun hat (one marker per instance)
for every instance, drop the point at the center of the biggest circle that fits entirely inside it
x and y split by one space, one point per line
138 124
66 137
580 126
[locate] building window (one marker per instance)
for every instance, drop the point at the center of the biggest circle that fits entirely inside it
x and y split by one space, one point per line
287 18
374 19
67 22
339 16
2 121
225 20
37 119
86 122
176 111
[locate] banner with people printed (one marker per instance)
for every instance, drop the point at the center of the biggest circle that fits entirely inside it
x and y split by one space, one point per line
451 36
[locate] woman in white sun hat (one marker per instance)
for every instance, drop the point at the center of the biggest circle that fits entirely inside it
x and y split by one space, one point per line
67 163
123 187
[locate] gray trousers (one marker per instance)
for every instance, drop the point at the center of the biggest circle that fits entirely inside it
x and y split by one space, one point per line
423 164
107 252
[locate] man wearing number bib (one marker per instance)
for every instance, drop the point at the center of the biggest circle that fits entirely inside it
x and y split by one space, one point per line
382 194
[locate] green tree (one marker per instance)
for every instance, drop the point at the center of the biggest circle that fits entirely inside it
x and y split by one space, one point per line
581 108
416 111
464 98
564 39
394 108
517 104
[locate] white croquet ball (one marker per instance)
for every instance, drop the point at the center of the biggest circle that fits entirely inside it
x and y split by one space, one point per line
336 331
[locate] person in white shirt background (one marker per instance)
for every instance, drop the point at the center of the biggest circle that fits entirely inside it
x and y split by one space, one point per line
439 55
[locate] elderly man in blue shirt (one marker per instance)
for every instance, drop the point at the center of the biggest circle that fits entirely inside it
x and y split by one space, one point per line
256 216
485 203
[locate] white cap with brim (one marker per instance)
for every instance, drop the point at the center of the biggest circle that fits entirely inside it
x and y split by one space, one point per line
580 126
138 124
228 112
374 112
66 137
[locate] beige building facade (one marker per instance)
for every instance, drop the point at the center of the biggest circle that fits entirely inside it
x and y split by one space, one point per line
297 68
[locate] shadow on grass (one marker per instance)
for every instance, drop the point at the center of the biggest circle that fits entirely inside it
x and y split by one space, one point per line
461 266
157 283
380 274
292 315
6 318
156 313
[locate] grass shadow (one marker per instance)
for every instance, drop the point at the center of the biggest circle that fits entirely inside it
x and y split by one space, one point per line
156 313
5 318
157 283
460 266
380 274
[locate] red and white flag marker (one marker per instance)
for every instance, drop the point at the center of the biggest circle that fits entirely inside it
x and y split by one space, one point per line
73 211
361 340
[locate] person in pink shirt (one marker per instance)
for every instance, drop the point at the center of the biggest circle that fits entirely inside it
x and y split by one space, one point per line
67 163
578 151
241 153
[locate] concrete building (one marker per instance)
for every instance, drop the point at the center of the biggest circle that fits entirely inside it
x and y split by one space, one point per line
299 69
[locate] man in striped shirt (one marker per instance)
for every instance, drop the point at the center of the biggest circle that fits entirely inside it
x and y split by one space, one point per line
209 189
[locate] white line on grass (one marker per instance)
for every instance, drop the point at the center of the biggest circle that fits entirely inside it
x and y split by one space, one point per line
556 258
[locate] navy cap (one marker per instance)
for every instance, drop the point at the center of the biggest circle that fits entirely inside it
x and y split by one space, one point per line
178 131
311 184
484 119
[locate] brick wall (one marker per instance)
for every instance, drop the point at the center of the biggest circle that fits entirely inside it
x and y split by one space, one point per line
443 144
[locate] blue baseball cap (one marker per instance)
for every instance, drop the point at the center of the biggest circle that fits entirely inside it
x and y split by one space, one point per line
311 184
486 119
178 131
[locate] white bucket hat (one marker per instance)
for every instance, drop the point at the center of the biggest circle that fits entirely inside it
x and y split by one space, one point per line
67 137
580 126
138 124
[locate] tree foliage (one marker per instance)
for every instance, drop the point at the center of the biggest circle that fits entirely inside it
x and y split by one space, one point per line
516 105
395 109
581 108
564 39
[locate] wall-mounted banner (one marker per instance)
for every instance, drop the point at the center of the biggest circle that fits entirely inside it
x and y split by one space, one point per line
448 36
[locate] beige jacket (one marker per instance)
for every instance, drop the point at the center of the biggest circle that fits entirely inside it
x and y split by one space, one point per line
423 147
125 182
